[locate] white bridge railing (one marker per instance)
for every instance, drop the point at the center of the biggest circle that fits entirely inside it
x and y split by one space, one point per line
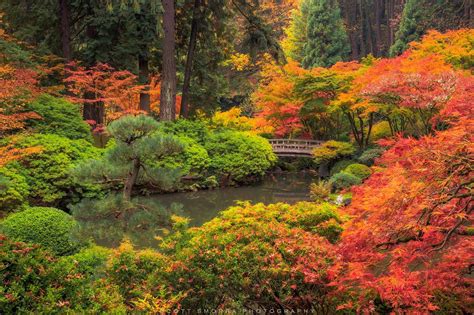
294 147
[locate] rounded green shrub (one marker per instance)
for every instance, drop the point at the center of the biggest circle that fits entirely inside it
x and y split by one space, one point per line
14 190
380 130
39 283
368 156
344 180
48 173
332 150
360 170
239 156
256 255
59 117
194 158
340 166
48 227
195 129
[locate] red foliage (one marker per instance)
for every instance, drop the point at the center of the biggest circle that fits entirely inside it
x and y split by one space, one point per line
118 91
409 239
17 88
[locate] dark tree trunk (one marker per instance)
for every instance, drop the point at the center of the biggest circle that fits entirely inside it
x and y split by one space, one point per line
131 180
189 59
363 50
65 31
168 83
350 13
95 112
378 28
144 79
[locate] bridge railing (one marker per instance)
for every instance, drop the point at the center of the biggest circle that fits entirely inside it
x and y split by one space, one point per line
294 146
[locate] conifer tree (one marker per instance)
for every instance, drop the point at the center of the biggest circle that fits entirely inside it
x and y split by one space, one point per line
133 158
327 39
410 27
296 33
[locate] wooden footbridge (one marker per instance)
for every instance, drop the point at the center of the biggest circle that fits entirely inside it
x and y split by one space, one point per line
294 147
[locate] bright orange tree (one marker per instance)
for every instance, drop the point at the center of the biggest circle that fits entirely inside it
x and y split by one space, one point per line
101 84
410 240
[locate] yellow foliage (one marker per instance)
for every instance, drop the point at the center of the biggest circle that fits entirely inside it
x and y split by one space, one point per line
239 62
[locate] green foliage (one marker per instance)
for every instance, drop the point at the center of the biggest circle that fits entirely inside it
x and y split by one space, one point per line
327 41
296 33
195 129
33 281
238 155
108 221
359 170
253 254
380 130
59 117
48 173
193 160
332 150
14 190
320 191
368 156
410 29
340 166
344 180
48 227
134 157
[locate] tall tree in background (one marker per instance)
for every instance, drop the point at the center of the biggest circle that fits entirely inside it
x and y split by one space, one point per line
296 33
196 19
422 15
327 39
168 84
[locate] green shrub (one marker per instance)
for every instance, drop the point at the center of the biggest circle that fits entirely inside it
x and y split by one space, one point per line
195 129
380 130
368 156
47 227
34 282
340 166
332 150
320 191
239 156
194 158
14 190
59 117
48 173
359 170
255 255
344 180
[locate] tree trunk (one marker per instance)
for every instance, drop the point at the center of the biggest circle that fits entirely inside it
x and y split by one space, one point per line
168 83
378 28
131 180
144 79
189 59
94 111
65 32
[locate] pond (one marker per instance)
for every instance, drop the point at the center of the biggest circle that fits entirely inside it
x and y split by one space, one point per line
200 207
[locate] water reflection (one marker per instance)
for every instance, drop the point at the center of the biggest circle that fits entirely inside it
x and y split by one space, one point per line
144 223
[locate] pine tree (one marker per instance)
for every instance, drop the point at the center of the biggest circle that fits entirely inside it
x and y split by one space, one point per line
296 34
138 146
420 16
410 27
327 39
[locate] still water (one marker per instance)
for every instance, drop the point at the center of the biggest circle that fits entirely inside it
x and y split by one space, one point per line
200 207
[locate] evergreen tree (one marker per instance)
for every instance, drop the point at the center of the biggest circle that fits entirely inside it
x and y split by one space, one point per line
327 39
132 159
411 27
296 33
420 16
